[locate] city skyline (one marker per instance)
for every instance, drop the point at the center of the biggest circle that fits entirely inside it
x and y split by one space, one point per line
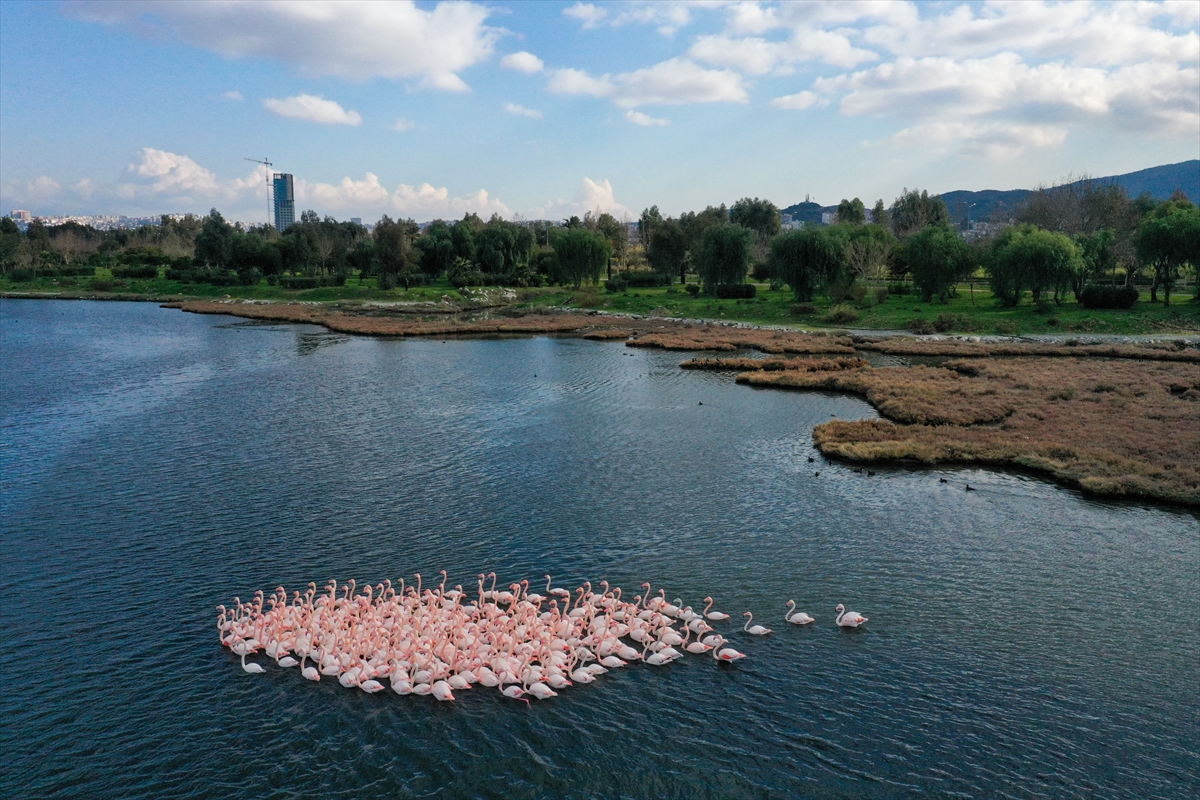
547 110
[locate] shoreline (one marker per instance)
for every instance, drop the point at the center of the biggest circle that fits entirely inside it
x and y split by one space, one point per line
1102 418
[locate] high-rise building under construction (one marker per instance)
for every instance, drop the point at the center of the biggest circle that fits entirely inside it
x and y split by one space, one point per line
285 200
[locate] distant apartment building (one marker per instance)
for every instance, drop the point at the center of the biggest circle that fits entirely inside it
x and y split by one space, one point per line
20 216
356 220
285 200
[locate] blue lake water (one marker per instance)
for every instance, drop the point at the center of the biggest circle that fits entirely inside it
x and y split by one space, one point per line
1025 641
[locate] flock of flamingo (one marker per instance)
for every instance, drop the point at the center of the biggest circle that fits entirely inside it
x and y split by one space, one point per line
438 641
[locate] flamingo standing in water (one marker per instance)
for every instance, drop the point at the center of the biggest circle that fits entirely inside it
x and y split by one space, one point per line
727 654
799 618
848 619
754 630
715 616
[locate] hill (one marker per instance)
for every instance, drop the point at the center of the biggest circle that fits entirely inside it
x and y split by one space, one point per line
1159 182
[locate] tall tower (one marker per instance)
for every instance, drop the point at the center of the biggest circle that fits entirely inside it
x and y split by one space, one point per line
285 200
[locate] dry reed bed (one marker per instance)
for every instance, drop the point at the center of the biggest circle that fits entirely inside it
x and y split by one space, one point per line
719 337
905 346
776 364
1111 427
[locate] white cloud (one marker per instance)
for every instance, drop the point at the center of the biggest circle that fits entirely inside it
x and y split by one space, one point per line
426 202
37 190
237 96
350 40
759 56
998 141
673 82
592 196
84 187
645 120
522 111
800 100
586 13
367 193
403 125
313 108
173 174
523 62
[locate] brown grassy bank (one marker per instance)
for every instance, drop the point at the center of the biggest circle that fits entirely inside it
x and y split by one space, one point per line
777 364
719 337
1111 427
907 346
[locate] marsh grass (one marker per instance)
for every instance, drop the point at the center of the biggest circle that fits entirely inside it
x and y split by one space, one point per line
1111 427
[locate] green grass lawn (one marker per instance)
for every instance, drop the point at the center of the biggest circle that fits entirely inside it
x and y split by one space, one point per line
973 310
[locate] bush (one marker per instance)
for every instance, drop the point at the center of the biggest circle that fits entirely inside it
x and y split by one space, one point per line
737 291
272 280
837 293
102 286
840 315
881 295
20 275
1108 297
899 289
693 289
303 281
761 271
643 278
616 284
804 309
143 271
921 326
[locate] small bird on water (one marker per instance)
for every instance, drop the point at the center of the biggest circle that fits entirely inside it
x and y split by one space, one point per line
811 459
942 480
970 488
817 474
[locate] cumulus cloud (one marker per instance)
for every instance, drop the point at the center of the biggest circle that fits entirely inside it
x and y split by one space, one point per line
427 202
170 173
522 111
758 56
523 62
84 187
237 96
595 196
997 141
645 120
38 190
351 40
403 125
313 108
669 17
673 82
800 100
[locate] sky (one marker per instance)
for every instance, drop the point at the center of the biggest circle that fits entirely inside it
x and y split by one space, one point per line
543 110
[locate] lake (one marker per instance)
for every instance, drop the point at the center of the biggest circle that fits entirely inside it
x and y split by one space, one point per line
1024 640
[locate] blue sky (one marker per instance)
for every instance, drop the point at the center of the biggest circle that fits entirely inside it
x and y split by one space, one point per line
549 109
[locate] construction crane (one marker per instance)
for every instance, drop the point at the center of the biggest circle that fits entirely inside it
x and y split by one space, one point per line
268 165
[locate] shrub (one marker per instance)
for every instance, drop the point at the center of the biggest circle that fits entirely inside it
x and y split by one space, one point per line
616 284
307 282
1108 297
837 293
102 286
20 275
1052 322
761 271
693 289
272 280
1006 327
143 271
898 289
388 281
858 293
921 326
881 295
840 315
643 278
804 309
736 291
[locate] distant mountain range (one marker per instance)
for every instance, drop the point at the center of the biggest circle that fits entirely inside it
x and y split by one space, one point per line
1158 182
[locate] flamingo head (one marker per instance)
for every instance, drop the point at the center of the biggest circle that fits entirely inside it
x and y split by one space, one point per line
840 608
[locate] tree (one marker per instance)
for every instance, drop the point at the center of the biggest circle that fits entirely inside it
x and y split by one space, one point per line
649 218
724 256
1098 258
581 255
1024 257
852 212
760 216
437 249
10 244
937 258
361 257
394 251
694 225
215 241
804 259
866 250
667 253
880 215
1167 239
914 210
613 231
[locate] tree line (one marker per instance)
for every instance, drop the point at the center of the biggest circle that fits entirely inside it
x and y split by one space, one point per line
1068 239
